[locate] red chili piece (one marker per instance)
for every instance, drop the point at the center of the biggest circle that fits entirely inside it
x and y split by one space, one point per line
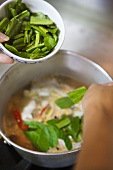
19 120
43 110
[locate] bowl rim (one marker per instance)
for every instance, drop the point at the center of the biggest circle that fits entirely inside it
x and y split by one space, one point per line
52 53
46 153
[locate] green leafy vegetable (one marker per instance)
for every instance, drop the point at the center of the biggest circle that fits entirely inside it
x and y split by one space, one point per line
32 35
64 102
63 122
14 23
41 135
53 121
49 42
45 136
4 22
40 21
72 98
77 94
11 48
68 142
74 128
53 136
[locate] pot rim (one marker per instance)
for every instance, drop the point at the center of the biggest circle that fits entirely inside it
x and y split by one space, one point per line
9 142
63 51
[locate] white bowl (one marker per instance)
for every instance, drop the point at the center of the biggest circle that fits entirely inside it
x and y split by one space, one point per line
37 6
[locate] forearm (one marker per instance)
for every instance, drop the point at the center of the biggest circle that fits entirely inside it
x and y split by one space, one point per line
96 152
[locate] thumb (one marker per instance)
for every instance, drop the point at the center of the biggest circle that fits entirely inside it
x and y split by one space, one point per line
3 37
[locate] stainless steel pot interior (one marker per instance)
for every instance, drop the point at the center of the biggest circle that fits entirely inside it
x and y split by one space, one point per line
64 62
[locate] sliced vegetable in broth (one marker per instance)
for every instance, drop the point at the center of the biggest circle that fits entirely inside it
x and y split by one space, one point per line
33 114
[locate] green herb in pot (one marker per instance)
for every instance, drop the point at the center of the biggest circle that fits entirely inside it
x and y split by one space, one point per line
45 136
72 98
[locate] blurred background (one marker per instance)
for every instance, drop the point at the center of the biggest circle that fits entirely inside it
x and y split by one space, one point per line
89 29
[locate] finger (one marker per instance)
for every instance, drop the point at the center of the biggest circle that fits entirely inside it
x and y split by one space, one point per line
5 59
108 84
93 86
3 37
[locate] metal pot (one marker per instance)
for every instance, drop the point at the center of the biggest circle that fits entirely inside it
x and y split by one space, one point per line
19 75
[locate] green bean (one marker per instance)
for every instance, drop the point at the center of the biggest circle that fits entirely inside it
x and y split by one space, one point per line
22 6
30 49
11 48
38 21
18 41
19 46
39 30
13 12
13 27
32 35
18 36
26 25
23 14
37 50
37 39
3 23
26 37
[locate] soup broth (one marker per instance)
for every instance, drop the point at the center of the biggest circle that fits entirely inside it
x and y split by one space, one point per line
36 102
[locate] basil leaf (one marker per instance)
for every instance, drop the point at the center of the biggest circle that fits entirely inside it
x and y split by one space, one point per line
75 124
61 134
45 136
70 132
74 128
79 136
33 136
68 142
77 94
73 97
65 137
59 123
44 140
53 136
34 125
38 138
53 122
64 102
